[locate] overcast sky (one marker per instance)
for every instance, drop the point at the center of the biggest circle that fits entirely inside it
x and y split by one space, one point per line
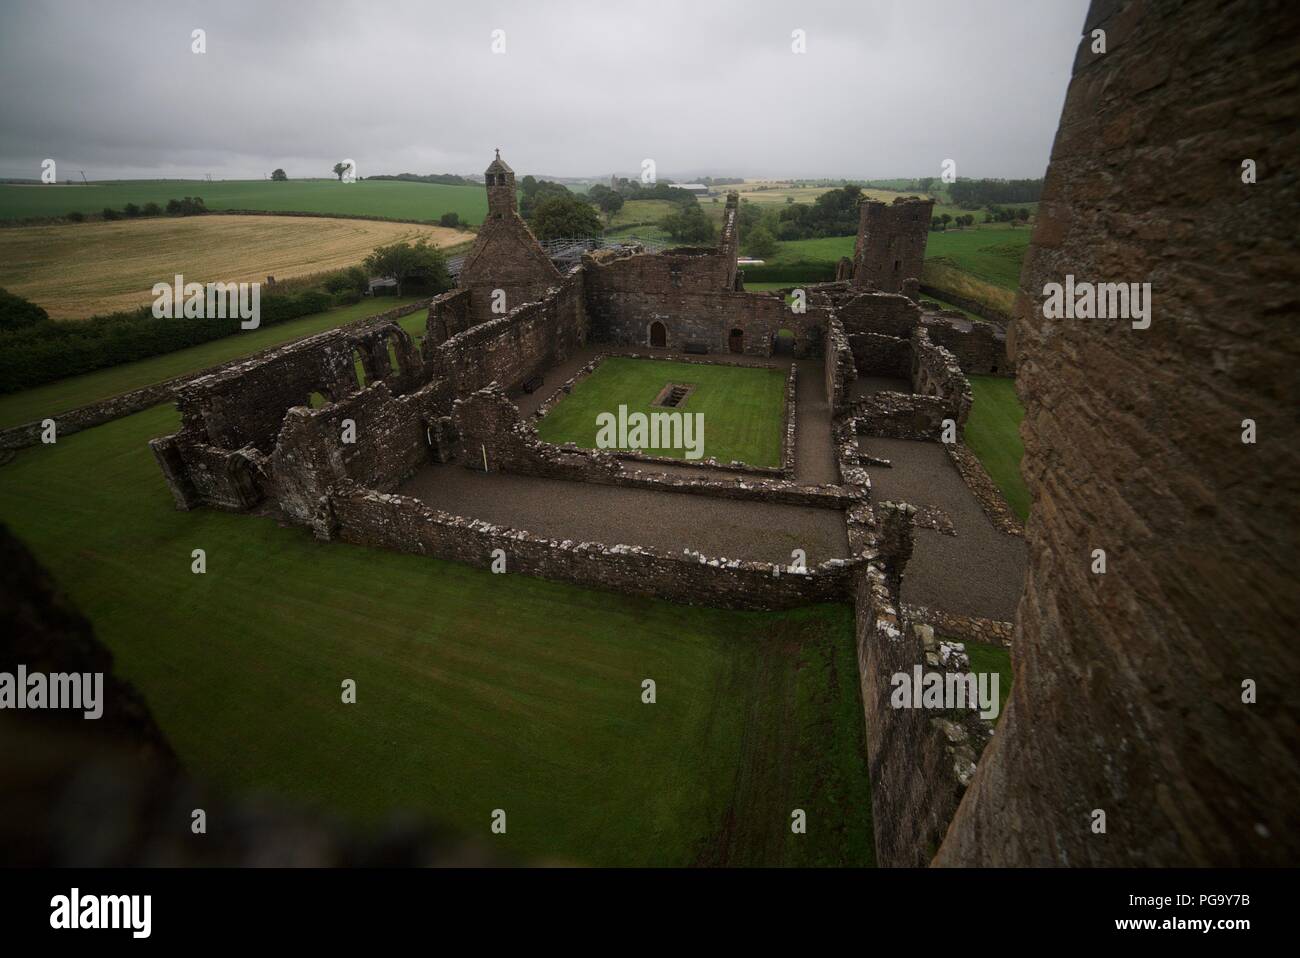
884 89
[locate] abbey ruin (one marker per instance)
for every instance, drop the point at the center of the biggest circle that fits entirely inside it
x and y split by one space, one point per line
1127 696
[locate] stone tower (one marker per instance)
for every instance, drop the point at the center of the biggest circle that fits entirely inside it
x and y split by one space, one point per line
1130 691
890 250
500 189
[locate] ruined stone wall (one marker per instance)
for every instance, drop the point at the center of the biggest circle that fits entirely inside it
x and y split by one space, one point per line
935 372
877 355
511 348
919 760
894 415
449 315
840 372
370 518
890 249
392 440
625 296
729 240
489 427
1129 685
980 348
887 314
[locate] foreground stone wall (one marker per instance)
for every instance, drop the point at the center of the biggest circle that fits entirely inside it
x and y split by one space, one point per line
370 518
1129 685
980 348
840 371
935 372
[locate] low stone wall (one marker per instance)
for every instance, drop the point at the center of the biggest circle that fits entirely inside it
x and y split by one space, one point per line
489 427
366 517
963 628
970 305
984 489
785 471
126 404
893 415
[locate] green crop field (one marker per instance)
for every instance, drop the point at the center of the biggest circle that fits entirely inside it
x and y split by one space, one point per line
992 253
474 691
395 199
993 434
743 407
65 394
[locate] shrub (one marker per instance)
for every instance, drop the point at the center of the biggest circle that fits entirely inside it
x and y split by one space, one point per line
131 211
152 209
42 352
18 313
449 219
111 214
76 216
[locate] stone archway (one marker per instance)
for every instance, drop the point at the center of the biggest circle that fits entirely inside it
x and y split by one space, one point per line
736 341
658 335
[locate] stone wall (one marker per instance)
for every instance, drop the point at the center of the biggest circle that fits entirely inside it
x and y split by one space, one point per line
370 518
935 372
890 249
840 372
894 415
489 427
887 314
1129 685
392 440
126 404
509 349
980 348
684 292
877 355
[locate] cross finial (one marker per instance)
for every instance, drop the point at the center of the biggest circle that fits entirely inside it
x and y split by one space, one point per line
498 152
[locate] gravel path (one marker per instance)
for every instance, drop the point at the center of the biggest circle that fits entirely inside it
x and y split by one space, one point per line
611 515
979 572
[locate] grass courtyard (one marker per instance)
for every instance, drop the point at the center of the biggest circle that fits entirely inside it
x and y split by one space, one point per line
475 691
743 406
993 434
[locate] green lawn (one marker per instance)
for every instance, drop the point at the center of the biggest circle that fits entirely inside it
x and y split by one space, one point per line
743 407
992 253
993 434
395 199
992 658
475 691
65 394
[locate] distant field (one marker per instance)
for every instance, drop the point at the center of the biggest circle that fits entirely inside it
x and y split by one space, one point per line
76 270
743 407
474 691
641 211
399 200
993 253
65 394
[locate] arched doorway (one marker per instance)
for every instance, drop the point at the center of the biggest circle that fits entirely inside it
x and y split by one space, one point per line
658 334
736 341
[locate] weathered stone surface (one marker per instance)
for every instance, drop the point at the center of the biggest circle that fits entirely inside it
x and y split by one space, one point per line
1128 692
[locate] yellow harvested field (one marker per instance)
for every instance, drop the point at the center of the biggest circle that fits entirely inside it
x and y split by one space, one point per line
78 270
